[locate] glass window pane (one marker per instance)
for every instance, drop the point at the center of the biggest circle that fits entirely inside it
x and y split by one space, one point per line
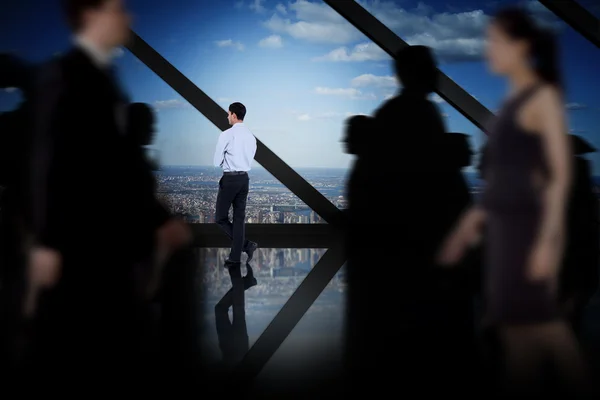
183 137
279 272
457 36
16 27
276 61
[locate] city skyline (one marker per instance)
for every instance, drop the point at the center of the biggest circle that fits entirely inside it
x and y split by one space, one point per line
300 68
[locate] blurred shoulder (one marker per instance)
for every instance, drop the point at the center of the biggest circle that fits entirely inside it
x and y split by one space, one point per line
547 98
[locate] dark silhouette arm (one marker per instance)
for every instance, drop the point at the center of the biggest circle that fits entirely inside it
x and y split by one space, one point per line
50 157
160 213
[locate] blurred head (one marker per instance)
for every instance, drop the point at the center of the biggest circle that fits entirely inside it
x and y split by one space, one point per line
416 68
140 119
358 129
515 42
106 21
236 113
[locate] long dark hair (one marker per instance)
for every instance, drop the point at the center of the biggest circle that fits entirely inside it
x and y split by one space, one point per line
519 25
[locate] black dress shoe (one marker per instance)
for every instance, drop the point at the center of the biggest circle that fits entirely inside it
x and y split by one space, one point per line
249 279
250 249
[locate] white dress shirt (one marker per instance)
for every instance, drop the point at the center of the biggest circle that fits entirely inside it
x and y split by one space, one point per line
235 149
101 58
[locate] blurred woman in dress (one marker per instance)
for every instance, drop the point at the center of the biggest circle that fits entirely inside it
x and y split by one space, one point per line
528 175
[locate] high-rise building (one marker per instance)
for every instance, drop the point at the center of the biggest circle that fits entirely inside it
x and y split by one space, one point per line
260 216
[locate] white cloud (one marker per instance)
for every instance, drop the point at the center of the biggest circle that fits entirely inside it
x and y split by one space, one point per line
575 106
230 43
9 89
239 5
436 98
118 52
349 93
273 41
170 104
454 36
315 22
281 8
258 6
543 15
361 52
374 80
324 115
345 92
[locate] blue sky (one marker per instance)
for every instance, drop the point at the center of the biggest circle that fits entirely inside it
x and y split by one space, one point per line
299 67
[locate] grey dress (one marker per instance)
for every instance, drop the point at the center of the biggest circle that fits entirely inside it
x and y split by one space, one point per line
514 159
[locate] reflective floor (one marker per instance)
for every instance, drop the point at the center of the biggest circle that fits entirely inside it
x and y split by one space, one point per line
314 342
314 348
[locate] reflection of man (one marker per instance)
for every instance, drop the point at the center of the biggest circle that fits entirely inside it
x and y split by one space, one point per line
235 151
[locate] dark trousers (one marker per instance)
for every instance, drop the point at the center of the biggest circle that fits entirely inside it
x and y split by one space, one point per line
233 191
233 335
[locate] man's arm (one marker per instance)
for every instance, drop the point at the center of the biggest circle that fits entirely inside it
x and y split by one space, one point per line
49 156
222 144
44 259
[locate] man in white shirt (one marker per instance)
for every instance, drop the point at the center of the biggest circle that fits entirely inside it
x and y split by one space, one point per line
234 154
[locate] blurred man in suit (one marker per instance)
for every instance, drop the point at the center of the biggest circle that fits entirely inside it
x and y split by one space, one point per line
84 227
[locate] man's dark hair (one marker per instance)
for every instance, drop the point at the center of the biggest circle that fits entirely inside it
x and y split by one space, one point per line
416 68
74 10
239 110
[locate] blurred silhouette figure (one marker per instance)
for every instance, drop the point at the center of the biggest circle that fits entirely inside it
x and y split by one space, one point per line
579 275
84 163
166 234
405 192
524 208
233 334
14 146
141 122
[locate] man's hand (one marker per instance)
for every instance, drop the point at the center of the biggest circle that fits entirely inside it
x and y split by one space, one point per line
43 272
44 267
466 235
174 234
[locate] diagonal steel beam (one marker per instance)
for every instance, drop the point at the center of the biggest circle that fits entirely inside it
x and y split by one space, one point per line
215 114
577 17
289 315
382 36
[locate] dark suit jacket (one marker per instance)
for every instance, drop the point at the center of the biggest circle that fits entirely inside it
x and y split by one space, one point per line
85 172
